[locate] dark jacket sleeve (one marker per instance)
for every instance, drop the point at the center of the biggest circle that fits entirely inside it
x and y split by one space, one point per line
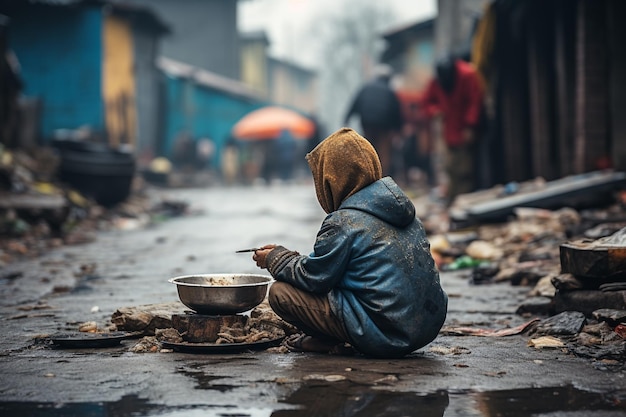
396 112
319 272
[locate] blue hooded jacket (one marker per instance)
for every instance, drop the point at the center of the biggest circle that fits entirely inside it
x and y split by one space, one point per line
371 256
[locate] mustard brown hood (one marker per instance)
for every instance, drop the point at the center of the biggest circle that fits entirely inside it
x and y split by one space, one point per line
342 164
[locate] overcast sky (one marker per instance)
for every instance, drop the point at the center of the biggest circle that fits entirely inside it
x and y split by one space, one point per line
287 22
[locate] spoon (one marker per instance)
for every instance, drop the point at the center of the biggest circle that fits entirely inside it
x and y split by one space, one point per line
247 250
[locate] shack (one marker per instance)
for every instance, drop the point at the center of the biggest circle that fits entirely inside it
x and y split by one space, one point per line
87 63
201 104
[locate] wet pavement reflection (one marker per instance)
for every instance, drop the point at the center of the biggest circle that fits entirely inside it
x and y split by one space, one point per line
344 399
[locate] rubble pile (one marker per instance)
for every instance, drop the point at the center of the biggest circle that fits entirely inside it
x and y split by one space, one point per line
38 212
157 323
573 261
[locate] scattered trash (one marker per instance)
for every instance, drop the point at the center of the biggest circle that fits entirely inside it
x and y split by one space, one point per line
472 331
39 212
327 378
386 380
578 191
546 342
483 250
454 350
463 262
90 326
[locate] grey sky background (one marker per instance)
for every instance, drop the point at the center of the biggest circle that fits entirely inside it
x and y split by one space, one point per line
288 23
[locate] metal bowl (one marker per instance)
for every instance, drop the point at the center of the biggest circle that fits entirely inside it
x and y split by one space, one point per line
220 294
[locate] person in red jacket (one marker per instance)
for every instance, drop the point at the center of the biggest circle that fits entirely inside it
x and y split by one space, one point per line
456 94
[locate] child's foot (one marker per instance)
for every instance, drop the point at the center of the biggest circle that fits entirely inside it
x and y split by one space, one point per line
305 343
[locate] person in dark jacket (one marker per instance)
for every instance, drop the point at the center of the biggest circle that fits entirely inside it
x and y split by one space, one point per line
370 281
380 115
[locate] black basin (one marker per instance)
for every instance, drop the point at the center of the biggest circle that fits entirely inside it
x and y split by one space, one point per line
96 170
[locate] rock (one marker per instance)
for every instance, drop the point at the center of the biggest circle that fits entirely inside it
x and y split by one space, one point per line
613 351
603 331
148 344
588 301
604 230
200 328
567 282
567 323
535 306
170 335
544 287
146 318
613 317
526 273
586 339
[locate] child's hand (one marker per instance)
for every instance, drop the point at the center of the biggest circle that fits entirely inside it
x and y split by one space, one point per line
260 255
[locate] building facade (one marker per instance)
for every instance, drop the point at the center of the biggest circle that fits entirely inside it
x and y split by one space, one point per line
204 33
80 60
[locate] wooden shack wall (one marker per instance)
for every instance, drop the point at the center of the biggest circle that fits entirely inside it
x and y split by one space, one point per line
558 101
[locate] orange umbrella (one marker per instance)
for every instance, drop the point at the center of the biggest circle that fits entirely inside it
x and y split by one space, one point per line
268 123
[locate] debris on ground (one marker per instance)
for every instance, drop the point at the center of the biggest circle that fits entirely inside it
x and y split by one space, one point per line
165 322
473 331
572 259
565 240
546 342
498 203
39 213
146 318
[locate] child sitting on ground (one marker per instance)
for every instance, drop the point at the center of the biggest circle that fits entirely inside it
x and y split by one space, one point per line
370 281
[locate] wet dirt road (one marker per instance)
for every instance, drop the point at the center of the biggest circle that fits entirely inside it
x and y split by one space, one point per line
454 376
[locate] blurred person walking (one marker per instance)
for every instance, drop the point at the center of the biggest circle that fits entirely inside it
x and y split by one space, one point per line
380 115
456 94
184 152
285 149
205 149
11 85
230 162
417 145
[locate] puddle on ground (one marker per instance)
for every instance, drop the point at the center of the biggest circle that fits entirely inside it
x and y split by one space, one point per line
346 400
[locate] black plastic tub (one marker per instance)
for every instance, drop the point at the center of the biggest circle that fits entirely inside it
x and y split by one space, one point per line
96 170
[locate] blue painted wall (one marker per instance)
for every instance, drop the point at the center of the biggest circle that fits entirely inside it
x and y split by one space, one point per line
60 52
203 112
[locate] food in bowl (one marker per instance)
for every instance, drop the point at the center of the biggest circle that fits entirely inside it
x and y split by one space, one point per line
220 294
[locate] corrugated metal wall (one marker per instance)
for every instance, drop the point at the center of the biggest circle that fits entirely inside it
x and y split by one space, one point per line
147 95
201 112
60 53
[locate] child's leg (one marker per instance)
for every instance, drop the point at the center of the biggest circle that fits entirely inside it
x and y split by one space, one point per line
309 312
